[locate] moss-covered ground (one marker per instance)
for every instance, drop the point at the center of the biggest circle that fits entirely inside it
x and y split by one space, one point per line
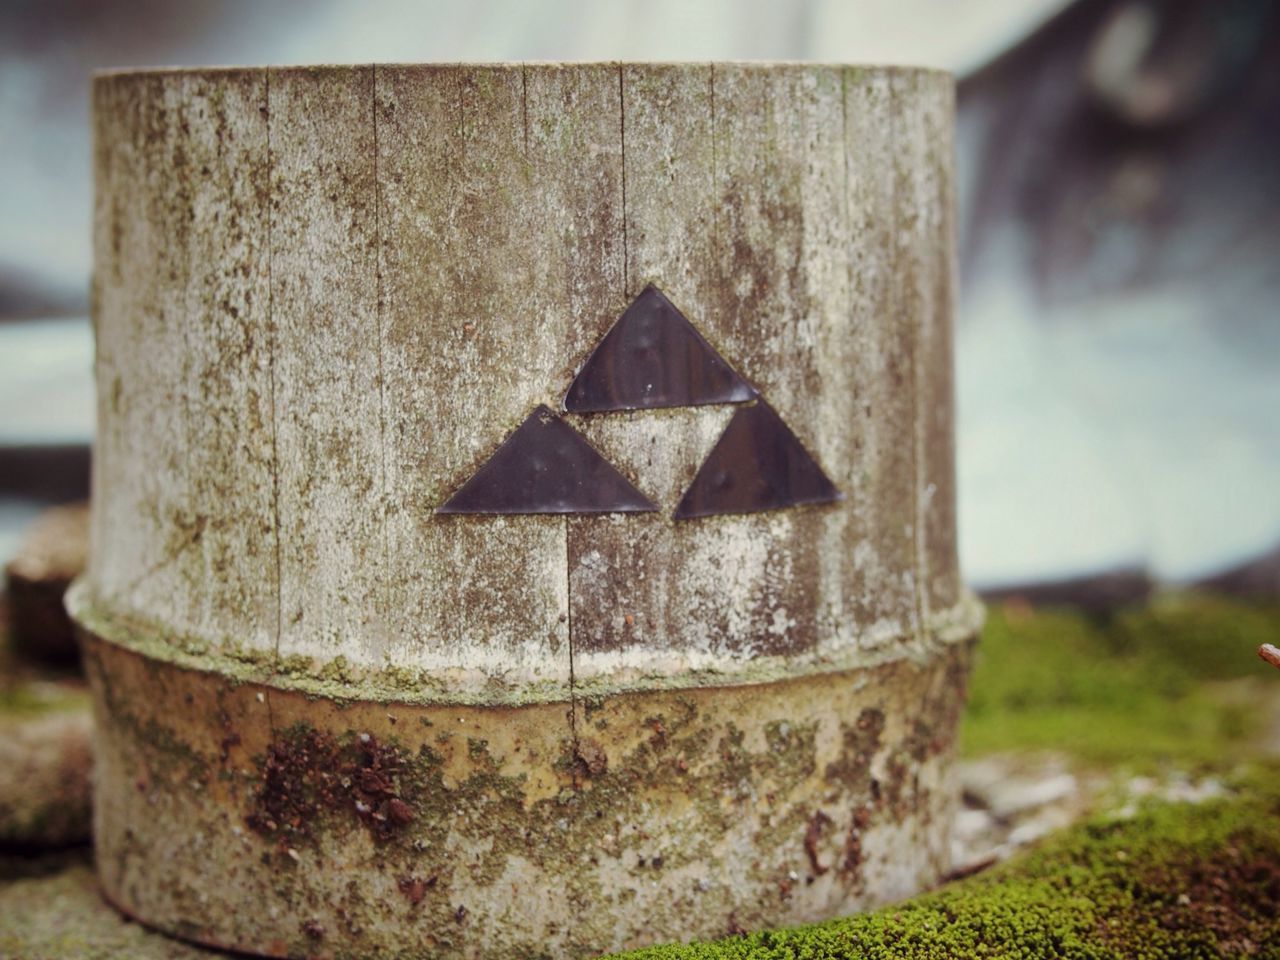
1173 685
1173 681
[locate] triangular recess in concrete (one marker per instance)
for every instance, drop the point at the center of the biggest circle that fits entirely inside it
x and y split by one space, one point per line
546 467
653 357
757 464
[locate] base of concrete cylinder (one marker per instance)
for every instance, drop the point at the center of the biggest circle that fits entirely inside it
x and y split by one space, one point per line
247 816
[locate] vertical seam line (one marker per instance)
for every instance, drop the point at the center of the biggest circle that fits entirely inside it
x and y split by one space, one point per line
462 122
524 105
917 340
948 279
382 381
275 416
191 501
715 218
856 606
573 693
622 140
844 145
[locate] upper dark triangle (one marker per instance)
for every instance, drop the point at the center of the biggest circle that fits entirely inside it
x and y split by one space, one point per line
545 467
653 357
757 464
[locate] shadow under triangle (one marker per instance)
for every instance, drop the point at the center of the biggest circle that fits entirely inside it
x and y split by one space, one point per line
653 357
546 467
757 464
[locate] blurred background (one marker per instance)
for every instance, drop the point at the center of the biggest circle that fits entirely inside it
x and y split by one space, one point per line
1118 342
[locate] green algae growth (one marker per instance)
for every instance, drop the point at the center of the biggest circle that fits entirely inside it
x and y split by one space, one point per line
1176 680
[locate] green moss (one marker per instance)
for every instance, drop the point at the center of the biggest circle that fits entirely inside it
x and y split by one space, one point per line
1174 881
1198 636
1133 688
20 700
296 663
29 688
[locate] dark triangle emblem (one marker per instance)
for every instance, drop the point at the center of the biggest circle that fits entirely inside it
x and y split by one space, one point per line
546 467
757 464
653 357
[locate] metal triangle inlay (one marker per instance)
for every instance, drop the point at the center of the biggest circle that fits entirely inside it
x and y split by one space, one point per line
757 464
654 357
546 467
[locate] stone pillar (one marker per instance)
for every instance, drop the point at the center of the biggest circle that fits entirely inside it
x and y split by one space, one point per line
432 606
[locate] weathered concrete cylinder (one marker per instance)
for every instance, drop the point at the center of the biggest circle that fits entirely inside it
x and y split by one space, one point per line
334 721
